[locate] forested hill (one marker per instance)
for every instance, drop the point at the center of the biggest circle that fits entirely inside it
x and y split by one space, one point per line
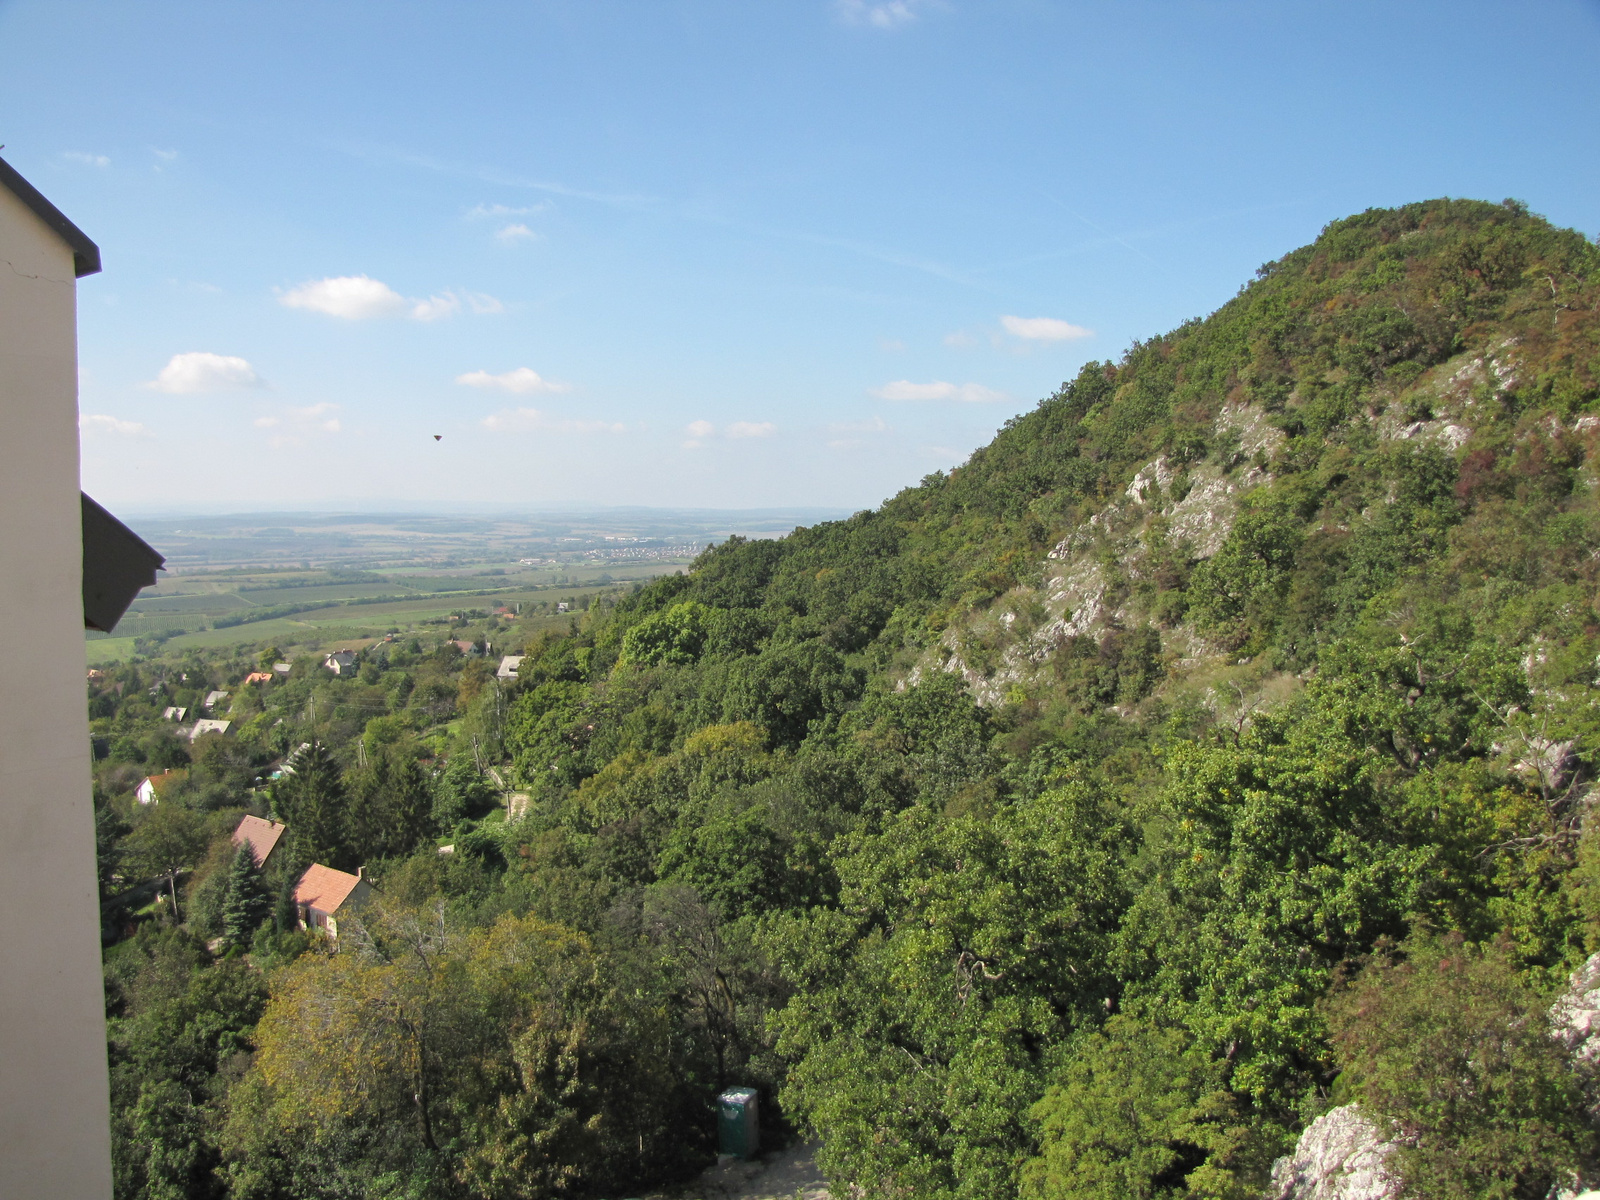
1211 749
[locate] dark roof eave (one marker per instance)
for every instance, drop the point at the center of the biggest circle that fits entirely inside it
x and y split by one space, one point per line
85 254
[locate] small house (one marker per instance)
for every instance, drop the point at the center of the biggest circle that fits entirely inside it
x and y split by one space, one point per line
341 662
213 699
562 606
258 677
509 665
173 713
150 788
261 836
201 728
282 668
323 895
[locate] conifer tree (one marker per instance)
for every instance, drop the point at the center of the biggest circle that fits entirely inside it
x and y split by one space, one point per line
311 801
247 903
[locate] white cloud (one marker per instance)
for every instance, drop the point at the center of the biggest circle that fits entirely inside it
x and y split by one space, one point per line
362 298
165 156
503 210
100 423
435 307
966 393
751 429
516 233
352 297
200 371
294 425
532 420
88 160
1044 329
959 339
522 381
887 15
698 432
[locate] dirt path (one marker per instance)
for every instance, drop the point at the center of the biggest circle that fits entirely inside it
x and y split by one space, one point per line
787 1175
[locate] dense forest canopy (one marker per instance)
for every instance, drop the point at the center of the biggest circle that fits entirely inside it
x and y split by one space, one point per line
1212 748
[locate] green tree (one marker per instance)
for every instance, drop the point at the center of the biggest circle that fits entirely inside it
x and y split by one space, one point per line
1450 1045
1140 1114
247 903
310 799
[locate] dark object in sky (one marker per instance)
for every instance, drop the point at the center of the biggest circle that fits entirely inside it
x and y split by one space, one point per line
438 436
116 564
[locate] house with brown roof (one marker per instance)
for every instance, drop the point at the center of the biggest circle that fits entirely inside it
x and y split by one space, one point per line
261 836
150 788
323 895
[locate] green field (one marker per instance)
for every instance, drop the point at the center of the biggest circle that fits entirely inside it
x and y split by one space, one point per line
348 615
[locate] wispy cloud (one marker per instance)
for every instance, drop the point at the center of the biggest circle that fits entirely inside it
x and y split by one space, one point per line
293 426
849 434
362 298
888 14
88 160
533 420
516 233
522 380
481 211
93 423
966 393
1044 329
165 156
960 339
200 371
701 432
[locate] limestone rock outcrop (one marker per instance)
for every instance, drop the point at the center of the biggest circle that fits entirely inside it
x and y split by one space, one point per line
1340 1156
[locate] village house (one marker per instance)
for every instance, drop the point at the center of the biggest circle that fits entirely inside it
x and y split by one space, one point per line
213 699
201 728
509 665
151 786
173 713
282 668
322 895
261 835
258 677
341 662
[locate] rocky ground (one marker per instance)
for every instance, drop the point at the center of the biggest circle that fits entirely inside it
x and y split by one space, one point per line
789 1174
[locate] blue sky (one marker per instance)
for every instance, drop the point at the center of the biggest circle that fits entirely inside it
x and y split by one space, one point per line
798 252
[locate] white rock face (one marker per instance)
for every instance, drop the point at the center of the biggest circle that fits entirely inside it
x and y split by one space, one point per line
1339 1157
1575 1017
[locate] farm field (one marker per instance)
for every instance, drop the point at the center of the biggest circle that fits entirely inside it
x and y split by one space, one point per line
311 579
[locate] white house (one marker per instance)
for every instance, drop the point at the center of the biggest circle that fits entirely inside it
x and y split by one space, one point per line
213 699
509 665
341 662
173 713
151 786
206 726
64 563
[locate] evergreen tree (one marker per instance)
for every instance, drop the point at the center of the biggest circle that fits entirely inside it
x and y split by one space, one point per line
247 903
311 801
391 805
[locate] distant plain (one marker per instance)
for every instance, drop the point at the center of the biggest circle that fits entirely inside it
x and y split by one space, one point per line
311 579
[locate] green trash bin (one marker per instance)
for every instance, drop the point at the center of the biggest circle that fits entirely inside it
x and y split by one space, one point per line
739 1123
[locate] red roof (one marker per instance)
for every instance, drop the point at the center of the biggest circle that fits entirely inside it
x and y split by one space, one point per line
324 889
262 837
168 776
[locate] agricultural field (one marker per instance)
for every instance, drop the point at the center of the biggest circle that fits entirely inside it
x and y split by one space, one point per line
312 579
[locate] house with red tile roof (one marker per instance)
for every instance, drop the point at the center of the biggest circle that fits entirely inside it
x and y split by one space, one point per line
259 677
150 788
323 895
261 836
